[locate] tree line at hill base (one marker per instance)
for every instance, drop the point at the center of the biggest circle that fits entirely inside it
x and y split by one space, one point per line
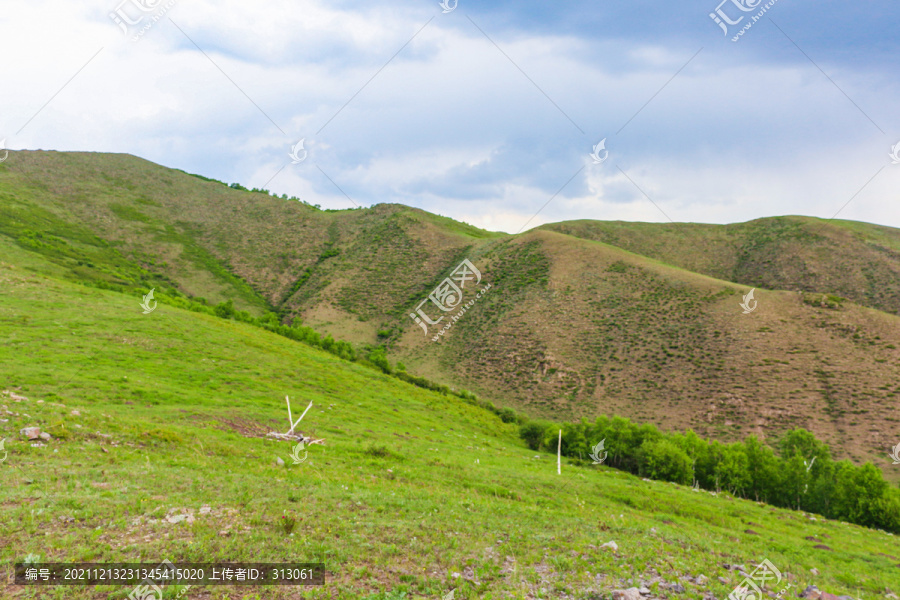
801 475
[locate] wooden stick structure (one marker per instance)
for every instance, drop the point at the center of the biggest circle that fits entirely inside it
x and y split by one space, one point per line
559 455
291 418
290 435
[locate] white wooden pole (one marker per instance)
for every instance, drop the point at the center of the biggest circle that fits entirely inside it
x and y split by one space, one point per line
293 425
559 455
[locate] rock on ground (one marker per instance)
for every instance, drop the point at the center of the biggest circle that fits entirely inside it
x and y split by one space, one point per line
629 594
611 545
32 433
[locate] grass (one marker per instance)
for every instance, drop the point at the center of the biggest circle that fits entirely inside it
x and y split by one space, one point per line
848 258
583 318
174 407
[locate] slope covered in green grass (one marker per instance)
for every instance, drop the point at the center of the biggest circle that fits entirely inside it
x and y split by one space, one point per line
410 488
583 318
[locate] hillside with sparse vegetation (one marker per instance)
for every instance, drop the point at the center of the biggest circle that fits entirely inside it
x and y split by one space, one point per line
157 449
583 318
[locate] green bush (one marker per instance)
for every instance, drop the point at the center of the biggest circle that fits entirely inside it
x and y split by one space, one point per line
225 310
661 459
533 433
507 415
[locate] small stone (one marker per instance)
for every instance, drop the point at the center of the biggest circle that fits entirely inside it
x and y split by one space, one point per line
205 509
701 579
45 436
75 413
186 517
677 588
814 571
811 593
629 594
32 433
611 545
278 461
644 591
224 533
723 580
891 595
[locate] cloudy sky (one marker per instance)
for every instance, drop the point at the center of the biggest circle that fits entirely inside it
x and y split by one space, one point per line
487 113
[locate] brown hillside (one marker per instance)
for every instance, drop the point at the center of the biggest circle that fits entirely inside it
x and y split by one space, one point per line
582 318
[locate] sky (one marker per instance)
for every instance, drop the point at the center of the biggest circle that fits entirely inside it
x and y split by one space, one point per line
505 115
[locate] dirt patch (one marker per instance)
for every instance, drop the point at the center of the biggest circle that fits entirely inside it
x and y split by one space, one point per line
244 427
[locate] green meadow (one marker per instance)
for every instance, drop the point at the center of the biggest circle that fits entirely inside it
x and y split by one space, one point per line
413 493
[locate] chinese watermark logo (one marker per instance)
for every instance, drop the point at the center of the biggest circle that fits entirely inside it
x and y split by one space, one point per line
748 308
895 154
131 21
723 20
295 455
148 588
895 454
600 153
5 453
751 587
596 453
448 5
6 152
448 296
296 150
146 303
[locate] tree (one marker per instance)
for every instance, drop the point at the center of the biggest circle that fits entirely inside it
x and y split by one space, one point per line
533 433
573 440
661 459
763 468
733 469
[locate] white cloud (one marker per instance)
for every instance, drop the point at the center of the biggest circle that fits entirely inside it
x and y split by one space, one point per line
450 125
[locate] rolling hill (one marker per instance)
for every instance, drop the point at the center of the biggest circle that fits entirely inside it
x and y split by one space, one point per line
581 319
158 451
858 261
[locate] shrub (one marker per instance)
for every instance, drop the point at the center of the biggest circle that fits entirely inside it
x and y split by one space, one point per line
225 310
533 433
661 459
507 415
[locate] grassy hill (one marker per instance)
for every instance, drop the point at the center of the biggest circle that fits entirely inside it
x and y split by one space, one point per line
583 318
413 494
858 261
